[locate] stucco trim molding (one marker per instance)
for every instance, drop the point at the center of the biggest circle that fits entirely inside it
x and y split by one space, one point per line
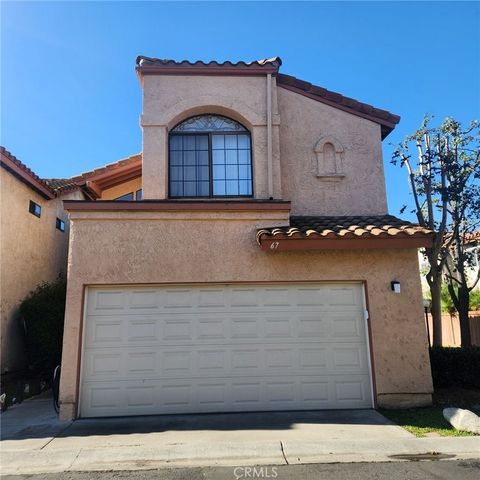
173 205
230 107
404 400
281 245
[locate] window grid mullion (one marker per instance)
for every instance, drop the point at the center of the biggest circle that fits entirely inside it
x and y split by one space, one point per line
197 180
238 168
242 189
210 166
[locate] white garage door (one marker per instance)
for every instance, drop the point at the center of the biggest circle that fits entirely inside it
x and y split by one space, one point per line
224 348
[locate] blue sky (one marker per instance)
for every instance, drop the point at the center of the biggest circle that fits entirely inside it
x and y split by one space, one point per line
71 99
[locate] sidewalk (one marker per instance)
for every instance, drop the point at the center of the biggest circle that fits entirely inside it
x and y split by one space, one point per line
34 441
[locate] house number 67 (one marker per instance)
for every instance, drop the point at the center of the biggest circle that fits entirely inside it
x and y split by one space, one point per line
274 245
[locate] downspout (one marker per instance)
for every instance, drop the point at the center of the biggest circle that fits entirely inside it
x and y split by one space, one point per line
269 137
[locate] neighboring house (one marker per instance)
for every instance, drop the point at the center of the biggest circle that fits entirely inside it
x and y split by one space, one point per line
424 268
258 272
473 247
117 181
33 245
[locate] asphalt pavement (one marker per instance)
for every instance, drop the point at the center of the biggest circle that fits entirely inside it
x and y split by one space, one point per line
408 470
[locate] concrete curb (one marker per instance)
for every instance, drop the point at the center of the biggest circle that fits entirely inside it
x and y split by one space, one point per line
143 457
380 450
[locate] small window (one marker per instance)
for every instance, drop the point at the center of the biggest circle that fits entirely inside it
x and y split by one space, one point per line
139 195
128 197
60 225
35 209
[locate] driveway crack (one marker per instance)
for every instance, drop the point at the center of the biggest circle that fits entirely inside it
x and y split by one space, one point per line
48 443
283 453
73 461
57 434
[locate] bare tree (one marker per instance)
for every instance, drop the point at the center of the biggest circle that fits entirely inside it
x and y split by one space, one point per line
442 175
461 149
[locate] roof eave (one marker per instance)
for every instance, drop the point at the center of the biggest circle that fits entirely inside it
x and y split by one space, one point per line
220 70
385 119
31 181
155 66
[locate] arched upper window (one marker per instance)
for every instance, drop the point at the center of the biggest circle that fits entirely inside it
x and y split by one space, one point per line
210 156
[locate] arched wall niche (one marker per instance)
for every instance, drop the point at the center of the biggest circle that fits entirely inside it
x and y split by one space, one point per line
329 156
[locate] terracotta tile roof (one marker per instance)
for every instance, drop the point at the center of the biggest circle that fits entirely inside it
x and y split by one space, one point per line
151 65
143 61
60 184
382 226
132 161
51 187
473 236
20 164
25 174
386 119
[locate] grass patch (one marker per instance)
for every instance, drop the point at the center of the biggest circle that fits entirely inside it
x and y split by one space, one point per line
421 421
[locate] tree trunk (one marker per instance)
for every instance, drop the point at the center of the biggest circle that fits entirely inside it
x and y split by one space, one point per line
463 308
436 310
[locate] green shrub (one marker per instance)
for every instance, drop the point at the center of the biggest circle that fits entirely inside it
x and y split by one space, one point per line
475 299
43 312
455 367
447 302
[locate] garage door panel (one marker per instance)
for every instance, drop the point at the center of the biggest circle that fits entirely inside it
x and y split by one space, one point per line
278 326
150 350
209 329
346 326
345 296
188 299
348 358
223 327
105 332
214 360
348 391
106 301
144 331
244 297
143 300
224 394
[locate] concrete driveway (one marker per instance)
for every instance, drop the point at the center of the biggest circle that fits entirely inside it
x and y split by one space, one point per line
35 424
34 441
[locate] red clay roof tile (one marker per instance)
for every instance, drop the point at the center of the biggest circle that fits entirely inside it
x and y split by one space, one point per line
386 119
25 174
368 226
111 167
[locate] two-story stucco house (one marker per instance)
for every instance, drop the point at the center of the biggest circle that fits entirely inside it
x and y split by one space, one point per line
260 270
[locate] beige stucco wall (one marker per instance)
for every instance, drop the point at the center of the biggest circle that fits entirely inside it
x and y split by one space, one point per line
122 189
298 123
32 250
303 123
189 247
167 100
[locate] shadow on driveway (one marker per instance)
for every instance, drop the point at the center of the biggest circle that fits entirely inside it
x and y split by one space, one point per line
36 418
